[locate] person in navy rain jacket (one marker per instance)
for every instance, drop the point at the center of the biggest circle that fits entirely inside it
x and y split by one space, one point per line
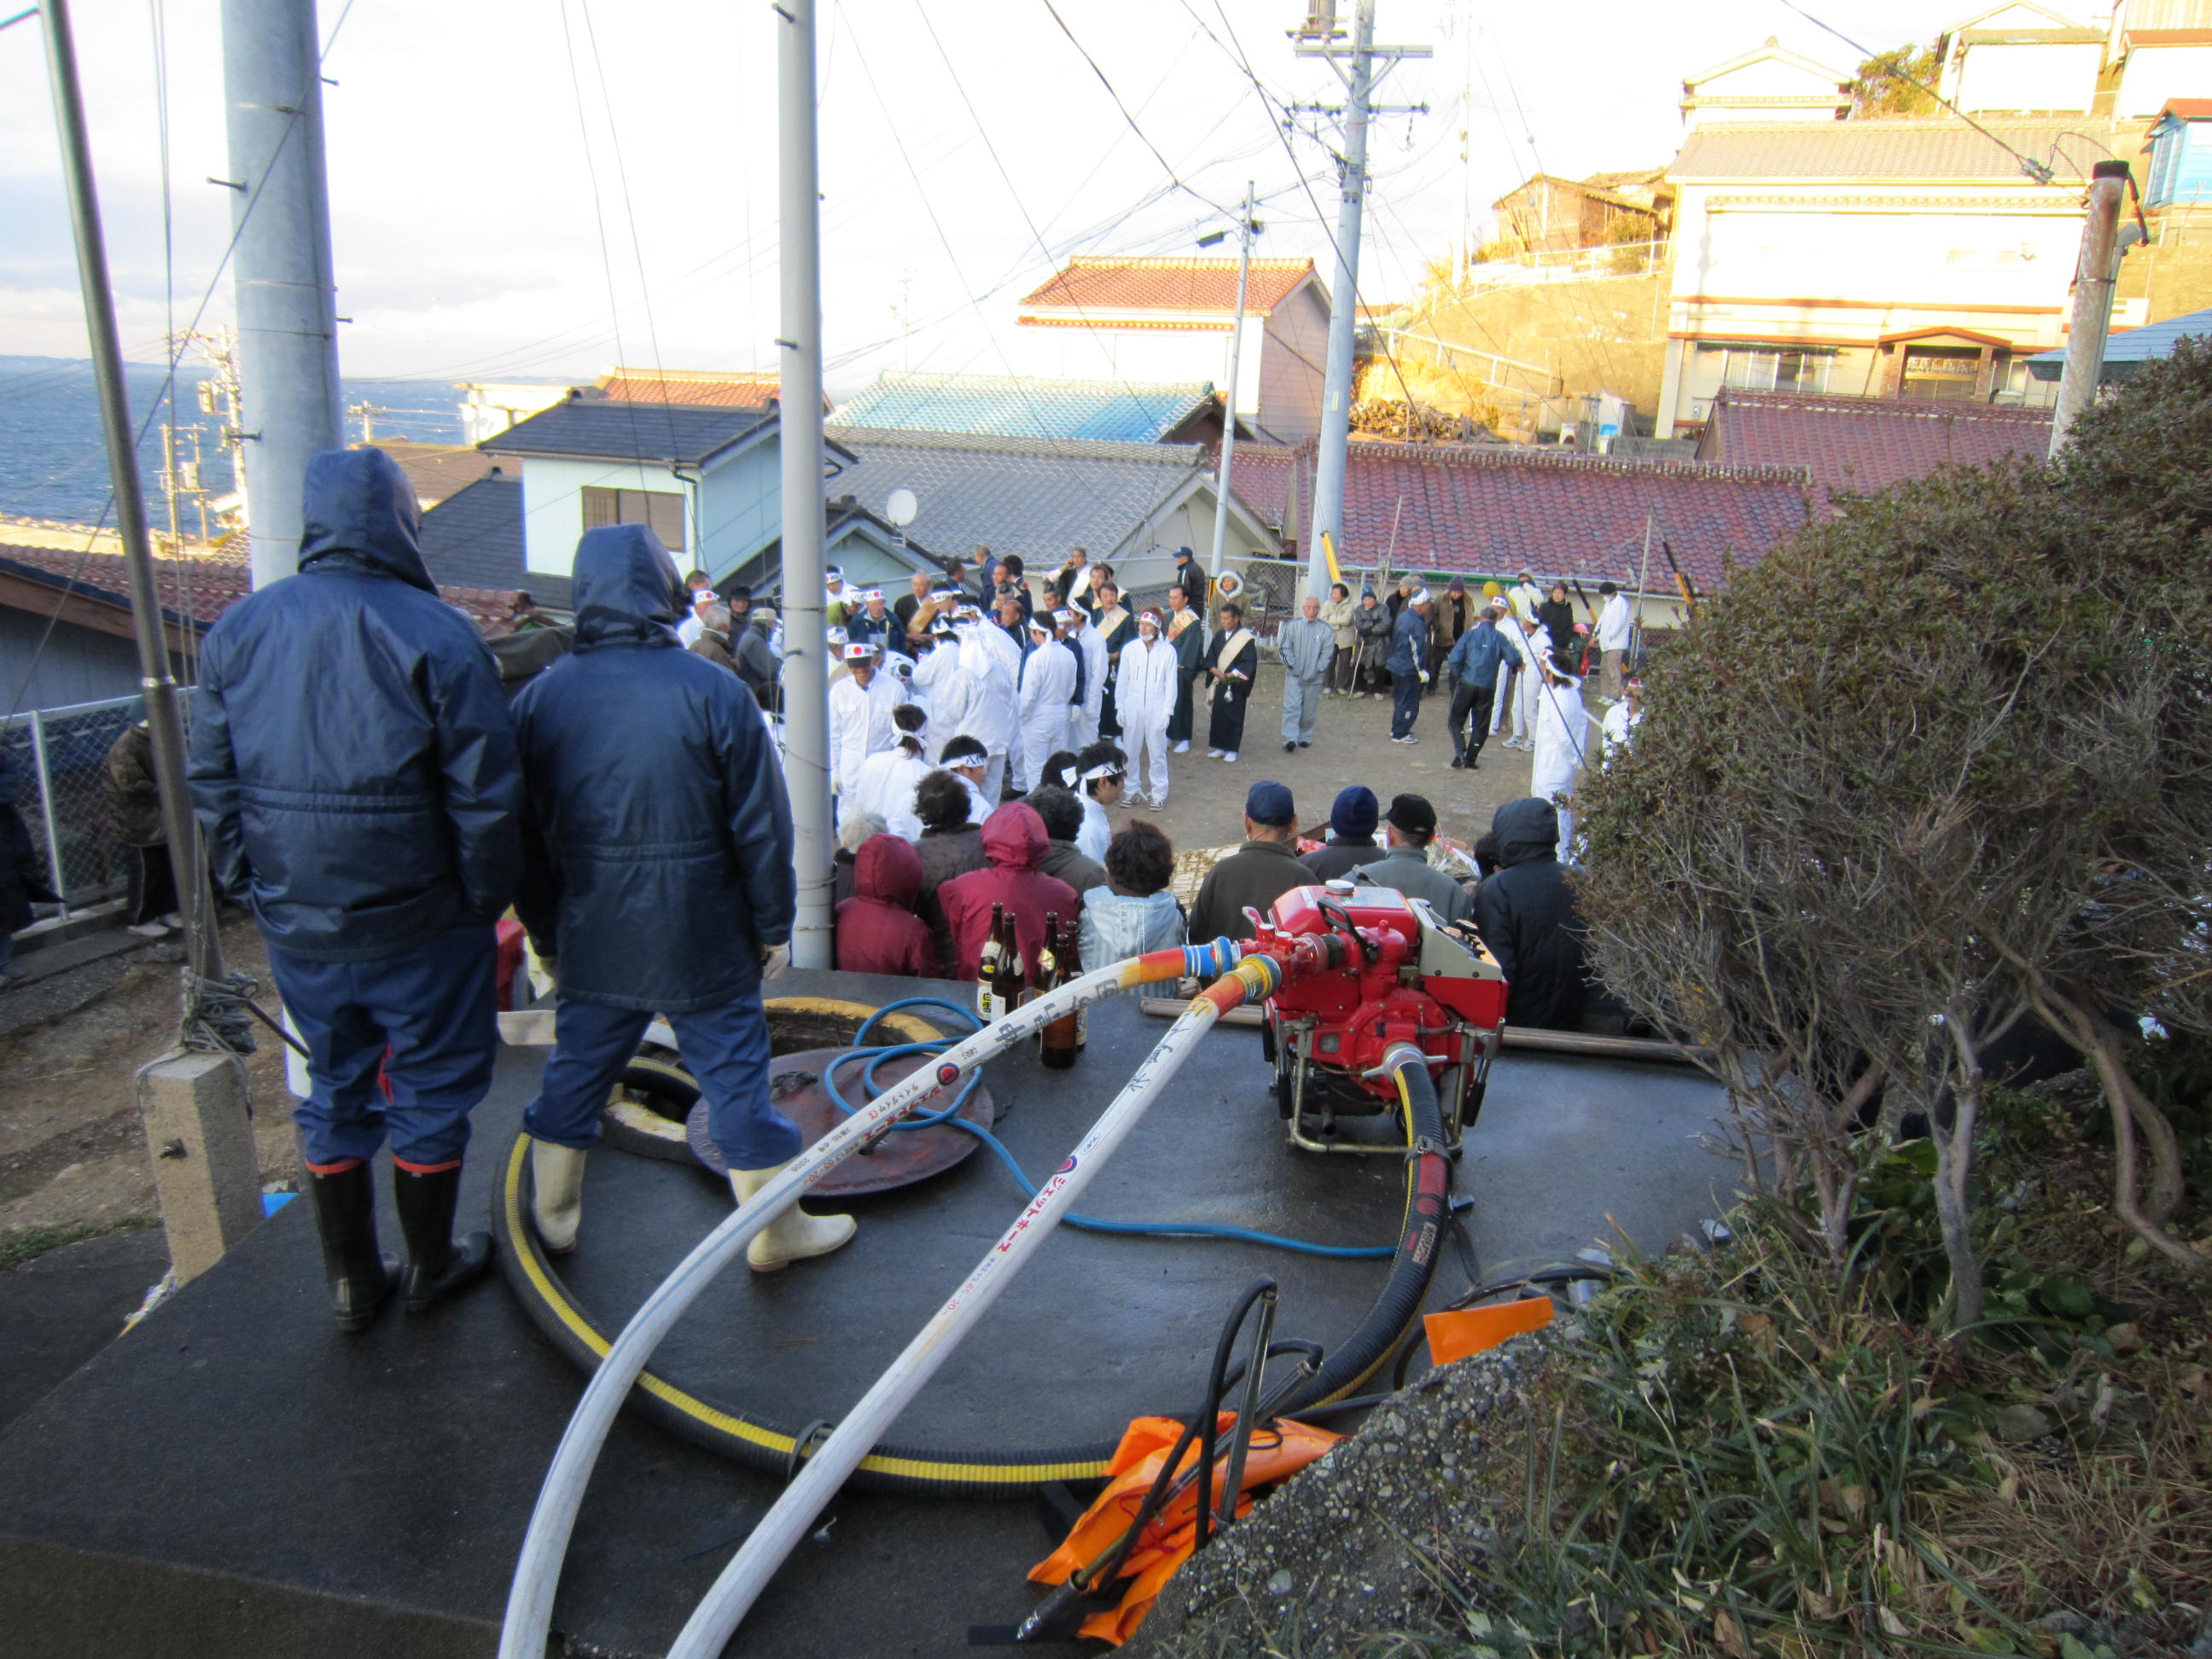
1408 667
658 878
354 770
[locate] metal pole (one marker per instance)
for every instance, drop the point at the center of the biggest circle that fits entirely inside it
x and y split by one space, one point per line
203 949
2093 299
806 668
1343 313
288 351
1229 431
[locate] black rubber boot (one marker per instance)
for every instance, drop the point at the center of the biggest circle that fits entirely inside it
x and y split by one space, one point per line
361 1276
438 1264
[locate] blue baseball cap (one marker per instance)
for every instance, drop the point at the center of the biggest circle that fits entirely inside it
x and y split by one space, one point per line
1355 811
1269 803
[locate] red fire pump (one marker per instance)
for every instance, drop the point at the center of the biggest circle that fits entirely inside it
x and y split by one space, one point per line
1410 979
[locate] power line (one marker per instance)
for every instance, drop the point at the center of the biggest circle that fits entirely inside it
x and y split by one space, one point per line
1143 137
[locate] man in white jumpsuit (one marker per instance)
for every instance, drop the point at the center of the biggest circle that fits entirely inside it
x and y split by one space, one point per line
1041 703
1082 636
940 685
992 664
1563 738
1532 646
860 707
1144 698
1622 720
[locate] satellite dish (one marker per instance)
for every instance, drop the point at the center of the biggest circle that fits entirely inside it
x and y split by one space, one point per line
901 508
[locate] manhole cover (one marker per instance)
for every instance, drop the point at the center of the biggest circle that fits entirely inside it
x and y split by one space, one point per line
902 1157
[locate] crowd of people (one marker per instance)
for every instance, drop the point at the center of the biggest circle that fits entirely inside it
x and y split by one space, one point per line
379 789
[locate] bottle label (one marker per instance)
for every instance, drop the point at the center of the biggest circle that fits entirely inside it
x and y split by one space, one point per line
987 1006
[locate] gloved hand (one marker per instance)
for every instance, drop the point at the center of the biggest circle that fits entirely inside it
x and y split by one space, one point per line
774 961
1424 674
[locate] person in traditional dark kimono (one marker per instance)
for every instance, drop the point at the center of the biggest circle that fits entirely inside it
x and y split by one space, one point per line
1117 628
1186 631
1232 658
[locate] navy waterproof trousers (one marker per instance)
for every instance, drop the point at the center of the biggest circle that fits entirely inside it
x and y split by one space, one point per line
429 1017
725 1047
1405 703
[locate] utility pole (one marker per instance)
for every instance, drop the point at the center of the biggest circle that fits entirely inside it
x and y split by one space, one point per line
1321 38
1247 228
2093 283
806 668
194 1106
282 269
154 680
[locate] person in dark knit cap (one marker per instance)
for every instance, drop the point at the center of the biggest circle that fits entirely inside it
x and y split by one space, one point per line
1351 841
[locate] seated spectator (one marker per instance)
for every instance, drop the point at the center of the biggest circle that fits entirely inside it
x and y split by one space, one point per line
1014 840
1134 912
1351 836
966 760
852 835
949 845
1526 915
1406 866
877 931
884 783
713 639
1063 822
1257 874
1102 765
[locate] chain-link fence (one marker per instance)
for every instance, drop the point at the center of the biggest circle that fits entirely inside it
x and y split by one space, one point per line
59 759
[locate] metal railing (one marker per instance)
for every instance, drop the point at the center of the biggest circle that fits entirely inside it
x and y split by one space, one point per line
61 755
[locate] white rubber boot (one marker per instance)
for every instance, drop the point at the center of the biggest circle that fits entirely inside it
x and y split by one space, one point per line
556 1201
793 1235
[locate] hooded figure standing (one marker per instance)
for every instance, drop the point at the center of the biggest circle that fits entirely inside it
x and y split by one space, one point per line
1526 915
658 873
354 770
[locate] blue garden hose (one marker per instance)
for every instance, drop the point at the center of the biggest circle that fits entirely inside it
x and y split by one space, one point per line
875 1056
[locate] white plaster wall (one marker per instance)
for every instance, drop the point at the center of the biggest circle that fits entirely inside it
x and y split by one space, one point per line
2053 77
2156 73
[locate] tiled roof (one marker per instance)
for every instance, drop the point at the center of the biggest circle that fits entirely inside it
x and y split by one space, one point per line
1854 444
1490 509
685 434
747 389
2128 349
1011 406
1891 152
436 470
201 590
475 537
1030 496
1177 285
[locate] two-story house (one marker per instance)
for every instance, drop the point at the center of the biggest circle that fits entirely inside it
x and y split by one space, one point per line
1170 320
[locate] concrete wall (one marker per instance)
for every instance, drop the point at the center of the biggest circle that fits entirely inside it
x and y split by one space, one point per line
1292 366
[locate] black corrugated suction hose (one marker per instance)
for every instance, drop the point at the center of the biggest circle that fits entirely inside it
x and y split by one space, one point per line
765 1445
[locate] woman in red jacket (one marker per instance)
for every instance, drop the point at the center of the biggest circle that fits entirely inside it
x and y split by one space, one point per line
877 931
1014 839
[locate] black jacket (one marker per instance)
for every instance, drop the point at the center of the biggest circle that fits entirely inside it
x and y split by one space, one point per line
352 763
657 848
1526 915
22 872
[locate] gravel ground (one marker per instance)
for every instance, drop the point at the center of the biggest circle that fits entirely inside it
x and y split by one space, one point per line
1352 1547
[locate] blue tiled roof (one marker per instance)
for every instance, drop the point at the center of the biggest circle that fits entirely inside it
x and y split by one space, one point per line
1010 406
2129 349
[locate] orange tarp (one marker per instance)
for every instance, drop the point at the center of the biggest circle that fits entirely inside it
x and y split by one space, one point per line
1278 1450
1460 1331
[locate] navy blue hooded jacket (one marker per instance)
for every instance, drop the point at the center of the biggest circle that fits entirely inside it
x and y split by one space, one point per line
1526 914
352 763
658 835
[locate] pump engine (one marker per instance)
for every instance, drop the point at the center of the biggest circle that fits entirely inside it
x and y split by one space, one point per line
1407 978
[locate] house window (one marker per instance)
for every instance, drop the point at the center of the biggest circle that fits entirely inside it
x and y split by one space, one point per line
1758 369
1940 372
660 511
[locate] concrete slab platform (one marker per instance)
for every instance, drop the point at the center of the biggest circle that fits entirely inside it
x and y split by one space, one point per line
236 1477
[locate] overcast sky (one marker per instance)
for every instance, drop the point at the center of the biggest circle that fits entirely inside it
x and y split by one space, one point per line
545 187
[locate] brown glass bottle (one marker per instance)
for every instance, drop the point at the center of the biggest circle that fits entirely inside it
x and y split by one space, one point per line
987 1007
1056 1042
1007 984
